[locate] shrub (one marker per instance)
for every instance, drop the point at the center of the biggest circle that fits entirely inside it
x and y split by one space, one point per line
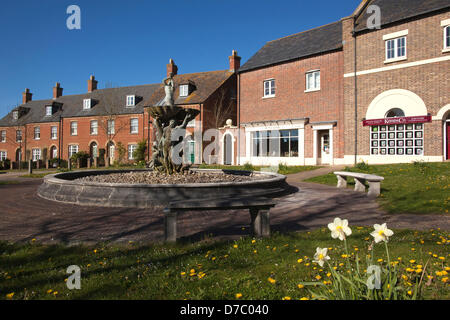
141 151
82 156
364 166
249 167
101 157
122 151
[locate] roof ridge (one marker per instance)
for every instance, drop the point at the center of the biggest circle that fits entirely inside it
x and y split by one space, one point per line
187 74
295 34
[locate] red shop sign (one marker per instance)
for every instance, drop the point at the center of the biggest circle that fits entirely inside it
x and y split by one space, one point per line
399 120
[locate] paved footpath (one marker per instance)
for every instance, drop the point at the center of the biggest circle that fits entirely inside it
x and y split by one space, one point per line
24 216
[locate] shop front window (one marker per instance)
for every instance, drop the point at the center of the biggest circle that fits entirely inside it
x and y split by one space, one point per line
397 139
282 143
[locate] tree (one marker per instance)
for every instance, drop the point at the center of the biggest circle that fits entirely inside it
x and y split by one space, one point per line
224 106
141 151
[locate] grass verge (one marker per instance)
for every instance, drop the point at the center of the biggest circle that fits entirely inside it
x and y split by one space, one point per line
422 188
246 269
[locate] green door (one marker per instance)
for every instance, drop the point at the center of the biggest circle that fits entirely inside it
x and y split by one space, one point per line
192 151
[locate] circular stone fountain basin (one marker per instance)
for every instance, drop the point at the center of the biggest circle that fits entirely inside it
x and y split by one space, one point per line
64 187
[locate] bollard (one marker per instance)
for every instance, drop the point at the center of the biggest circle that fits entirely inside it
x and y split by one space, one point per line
78 163
96 162
30 166
11 165
89 163
107 162
69 164
47 164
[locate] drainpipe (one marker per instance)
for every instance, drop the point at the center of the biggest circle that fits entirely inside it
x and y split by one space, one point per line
356 91
239 119
60 133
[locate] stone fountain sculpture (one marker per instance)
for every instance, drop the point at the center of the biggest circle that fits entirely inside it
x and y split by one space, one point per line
168 119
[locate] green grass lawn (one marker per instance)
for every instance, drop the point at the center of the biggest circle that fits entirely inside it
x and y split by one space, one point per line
282 169
407 188
210 270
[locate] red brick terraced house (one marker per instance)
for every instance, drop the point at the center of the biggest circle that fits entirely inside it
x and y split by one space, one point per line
102 118
291 104
328 102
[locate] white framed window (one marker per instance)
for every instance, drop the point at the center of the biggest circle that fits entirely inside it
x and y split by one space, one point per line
3 136
3 155
48 111
131 149
134 125
73 148
275 143
131 101
313 80
74 128
37 133
397 139
36 154
18 135
447 38
184 90
87 104
396 49
54 132
111 127
269 88
94 127
15 115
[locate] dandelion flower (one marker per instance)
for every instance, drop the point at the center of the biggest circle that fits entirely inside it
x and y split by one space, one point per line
271 280
10 295
381 233
339 229
238 295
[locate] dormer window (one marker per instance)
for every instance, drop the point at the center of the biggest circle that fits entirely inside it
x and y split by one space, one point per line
131 101
48 111
184 90
15 115
87 104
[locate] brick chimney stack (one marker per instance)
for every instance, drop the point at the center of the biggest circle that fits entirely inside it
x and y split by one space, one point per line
92 84
26 96
172 68
57 91
235 61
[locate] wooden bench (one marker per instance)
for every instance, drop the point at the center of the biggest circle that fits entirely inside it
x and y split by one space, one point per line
360 179
259 208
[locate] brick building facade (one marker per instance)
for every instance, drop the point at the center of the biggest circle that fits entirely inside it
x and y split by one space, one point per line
396 108
98 121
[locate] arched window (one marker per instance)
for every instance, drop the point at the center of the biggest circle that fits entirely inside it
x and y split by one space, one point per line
394 113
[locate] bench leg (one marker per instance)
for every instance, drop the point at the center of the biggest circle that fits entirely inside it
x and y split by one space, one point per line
342 182
359 185
170 226
260 222
374 189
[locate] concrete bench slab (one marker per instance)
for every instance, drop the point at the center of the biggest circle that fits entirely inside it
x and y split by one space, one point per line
360 179
259 208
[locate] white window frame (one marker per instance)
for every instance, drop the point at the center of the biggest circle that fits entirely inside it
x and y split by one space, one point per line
184 90
91 130
399 145
74 128
3 155
110 125
131 149
15 115
87 104
17 136
48 111
272 86
316 86
396 57
37 133
36 154
136 126
53 132
131 101
73 148
3 136
446 44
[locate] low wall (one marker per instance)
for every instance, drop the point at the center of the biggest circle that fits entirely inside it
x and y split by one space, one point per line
62 187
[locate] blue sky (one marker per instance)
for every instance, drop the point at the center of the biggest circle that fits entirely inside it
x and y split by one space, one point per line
130 42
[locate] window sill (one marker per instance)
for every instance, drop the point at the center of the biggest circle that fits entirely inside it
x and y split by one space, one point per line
268 97
312 90
446 50
395 60
134 132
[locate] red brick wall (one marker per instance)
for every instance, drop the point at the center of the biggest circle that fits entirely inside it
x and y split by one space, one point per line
431 82
291 101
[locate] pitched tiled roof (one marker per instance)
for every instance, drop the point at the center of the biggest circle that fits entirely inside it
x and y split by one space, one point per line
300 45
206 83
106 101
397 10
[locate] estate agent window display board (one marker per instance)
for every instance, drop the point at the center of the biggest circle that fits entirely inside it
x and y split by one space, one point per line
397 136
